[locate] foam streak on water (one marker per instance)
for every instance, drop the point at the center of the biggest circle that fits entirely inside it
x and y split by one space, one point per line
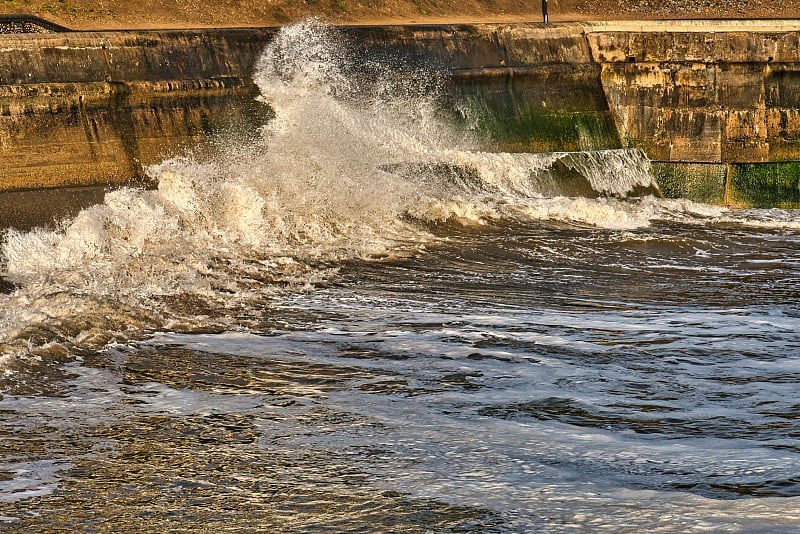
360 321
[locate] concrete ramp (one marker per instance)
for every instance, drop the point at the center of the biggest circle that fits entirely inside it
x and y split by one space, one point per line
28 24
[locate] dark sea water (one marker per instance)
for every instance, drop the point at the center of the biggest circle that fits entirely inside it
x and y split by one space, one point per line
356 321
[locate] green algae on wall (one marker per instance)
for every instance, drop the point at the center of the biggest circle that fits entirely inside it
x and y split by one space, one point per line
765 185
701 182
538 130
536 112
742 185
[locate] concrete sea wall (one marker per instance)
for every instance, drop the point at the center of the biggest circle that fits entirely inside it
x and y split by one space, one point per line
716 104
94 108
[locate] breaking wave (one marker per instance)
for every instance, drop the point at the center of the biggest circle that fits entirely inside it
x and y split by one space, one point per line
354 165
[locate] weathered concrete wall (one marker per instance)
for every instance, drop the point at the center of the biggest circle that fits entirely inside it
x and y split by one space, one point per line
110 138
88 108
531 87
96 108
85 57
696 93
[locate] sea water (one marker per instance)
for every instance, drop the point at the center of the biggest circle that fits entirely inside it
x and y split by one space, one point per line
358 321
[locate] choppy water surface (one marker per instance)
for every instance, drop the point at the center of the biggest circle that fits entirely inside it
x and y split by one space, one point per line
362 323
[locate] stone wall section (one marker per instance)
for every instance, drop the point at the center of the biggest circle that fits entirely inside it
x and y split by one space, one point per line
27 24
699 95
81 108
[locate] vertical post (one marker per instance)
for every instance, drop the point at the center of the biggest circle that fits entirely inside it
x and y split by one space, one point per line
544 12
728 186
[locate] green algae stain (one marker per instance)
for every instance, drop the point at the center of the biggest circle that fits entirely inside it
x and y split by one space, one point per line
525 114
741 185
696 181
765 185
536 130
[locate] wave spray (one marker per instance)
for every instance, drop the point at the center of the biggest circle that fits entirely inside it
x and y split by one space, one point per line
359 161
